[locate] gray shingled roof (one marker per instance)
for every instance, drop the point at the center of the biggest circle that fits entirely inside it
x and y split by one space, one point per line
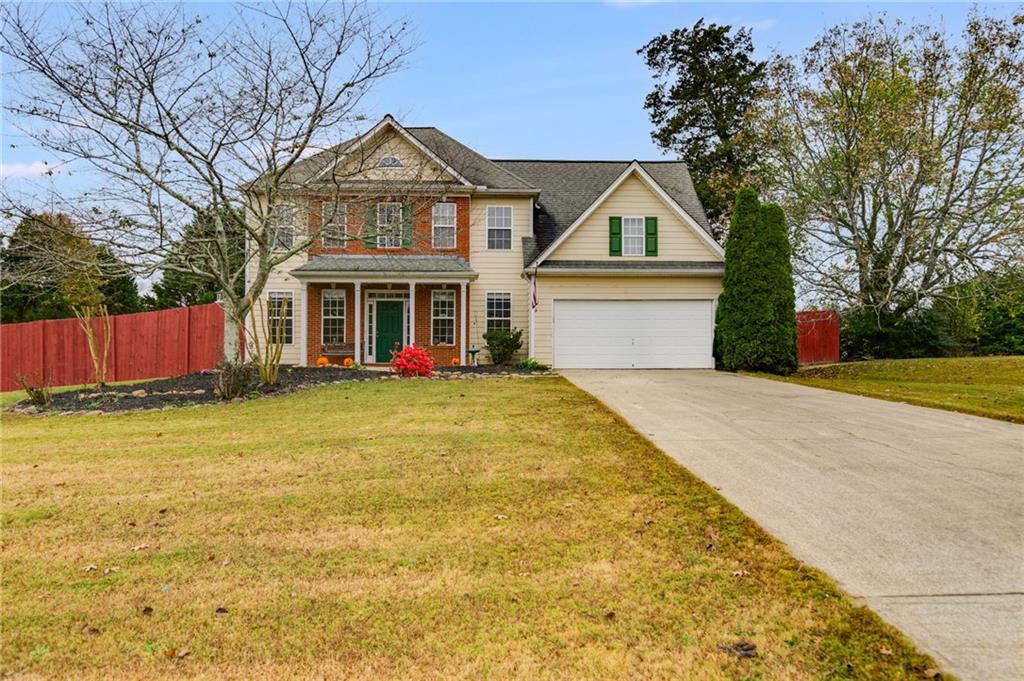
567 188
380 264
468 163
637 265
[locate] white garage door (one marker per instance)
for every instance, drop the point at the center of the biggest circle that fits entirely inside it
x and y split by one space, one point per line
633 334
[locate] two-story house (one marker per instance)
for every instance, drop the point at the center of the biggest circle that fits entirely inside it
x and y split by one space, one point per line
422 240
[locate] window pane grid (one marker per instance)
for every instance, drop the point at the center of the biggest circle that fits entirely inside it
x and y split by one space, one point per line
282 226
632 236
442 323
499 311
332 317
334 217
389 225
444 225
499 227
276 303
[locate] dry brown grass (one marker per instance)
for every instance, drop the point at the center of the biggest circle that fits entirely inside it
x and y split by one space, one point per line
487 529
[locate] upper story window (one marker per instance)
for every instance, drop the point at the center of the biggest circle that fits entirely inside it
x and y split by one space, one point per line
389 225
282 226
632 236
334 224
443 229
499 228
389 162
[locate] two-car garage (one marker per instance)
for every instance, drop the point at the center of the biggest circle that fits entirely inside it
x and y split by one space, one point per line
632 334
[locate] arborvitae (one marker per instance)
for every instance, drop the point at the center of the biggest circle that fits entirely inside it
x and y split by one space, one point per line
756 319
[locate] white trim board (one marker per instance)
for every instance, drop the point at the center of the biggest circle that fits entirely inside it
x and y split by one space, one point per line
653 185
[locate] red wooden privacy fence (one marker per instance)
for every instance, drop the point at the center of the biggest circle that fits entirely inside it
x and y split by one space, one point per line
817 339
144 345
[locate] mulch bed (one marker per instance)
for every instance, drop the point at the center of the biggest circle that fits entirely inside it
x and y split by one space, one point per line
198 388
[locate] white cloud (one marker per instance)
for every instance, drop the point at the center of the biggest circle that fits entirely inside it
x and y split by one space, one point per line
33 169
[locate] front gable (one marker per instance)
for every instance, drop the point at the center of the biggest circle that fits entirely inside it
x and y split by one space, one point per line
388 156
634 196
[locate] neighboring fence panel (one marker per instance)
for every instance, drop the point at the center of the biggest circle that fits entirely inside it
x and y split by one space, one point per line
144 345
817 337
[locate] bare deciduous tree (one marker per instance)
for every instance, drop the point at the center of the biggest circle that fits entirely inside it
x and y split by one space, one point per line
897 155
177 116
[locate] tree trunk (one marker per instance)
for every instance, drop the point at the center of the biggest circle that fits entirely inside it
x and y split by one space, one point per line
232 332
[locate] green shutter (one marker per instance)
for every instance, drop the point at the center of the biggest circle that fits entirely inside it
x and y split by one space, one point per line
650 236
370 227
614 235
406 225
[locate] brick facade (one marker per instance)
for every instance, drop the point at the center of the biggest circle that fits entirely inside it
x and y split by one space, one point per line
422 233
442 354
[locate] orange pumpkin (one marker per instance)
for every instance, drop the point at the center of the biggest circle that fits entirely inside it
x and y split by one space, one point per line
322 361
455 361
348 362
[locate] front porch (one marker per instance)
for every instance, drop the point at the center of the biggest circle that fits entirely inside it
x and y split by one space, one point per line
379 305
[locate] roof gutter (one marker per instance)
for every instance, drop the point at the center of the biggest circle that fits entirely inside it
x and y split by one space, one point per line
604 271
329 276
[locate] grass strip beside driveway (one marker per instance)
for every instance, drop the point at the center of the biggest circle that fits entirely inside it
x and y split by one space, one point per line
507 528
984 386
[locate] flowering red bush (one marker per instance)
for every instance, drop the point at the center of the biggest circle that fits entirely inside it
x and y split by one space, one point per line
411 361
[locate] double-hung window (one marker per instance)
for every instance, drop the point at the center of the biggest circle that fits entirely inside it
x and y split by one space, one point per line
499 228
443 225
499 311
279 316
389 225
282 226
442 318
332 316
632 236
334 224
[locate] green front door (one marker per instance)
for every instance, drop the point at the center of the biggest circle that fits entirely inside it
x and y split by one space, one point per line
390 326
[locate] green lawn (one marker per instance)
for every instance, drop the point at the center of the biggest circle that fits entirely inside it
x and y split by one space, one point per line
506 528
986 386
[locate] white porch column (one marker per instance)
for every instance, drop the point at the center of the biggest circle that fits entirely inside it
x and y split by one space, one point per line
412 313
304 326
358 331
462 323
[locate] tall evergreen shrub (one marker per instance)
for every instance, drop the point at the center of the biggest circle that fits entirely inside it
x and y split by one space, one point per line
756 317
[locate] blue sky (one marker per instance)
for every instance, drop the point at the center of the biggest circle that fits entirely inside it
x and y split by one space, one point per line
561 80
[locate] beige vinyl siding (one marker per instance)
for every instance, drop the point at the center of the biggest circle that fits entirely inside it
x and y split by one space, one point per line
416 166
499 270
633 198
280 280
550 288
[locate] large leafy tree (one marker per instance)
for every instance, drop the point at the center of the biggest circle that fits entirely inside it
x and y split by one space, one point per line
896 153
705 81
50 266
199 245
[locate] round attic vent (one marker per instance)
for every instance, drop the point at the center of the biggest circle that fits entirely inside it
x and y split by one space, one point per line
390 162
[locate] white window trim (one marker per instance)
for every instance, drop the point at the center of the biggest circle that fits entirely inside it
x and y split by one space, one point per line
511 227
324 224
455 227
643 236
336 294
487 317
401 227
448 293
274 226
290 295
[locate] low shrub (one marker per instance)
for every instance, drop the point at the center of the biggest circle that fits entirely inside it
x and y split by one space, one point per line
39 395
502 344
870 334
234 380
411 361
530 364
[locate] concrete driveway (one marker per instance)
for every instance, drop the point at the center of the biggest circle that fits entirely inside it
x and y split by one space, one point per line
916 511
